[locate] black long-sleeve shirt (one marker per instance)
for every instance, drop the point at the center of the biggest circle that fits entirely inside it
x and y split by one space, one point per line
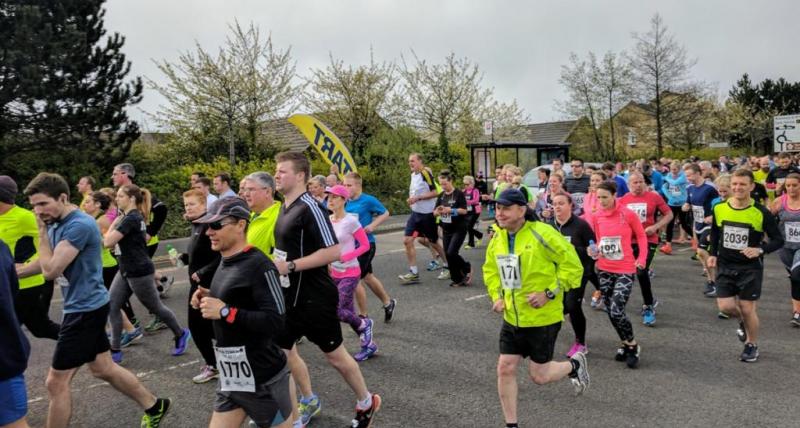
199 256
579 234
158 215
248 283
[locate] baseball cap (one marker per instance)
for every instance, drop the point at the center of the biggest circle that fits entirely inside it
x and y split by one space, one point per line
511 197
8 189
231 206
338 190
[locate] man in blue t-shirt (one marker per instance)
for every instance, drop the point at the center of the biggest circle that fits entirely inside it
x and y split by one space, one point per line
699 198
611 172
69 254
371 213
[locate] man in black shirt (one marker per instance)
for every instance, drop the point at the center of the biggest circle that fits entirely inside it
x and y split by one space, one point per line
777 176
577 184
305 244
246 305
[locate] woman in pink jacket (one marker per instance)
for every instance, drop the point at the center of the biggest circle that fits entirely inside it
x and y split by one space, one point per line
615 227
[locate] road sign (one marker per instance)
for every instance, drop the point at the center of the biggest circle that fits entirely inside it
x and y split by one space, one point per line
787 133
487 127
719 145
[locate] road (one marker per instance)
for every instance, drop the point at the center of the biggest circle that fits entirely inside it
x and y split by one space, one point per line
436 364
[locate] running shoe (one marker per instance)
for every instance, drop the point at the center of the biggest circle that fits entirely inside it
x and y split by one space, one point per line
478 243
652 273
366 352
648 316
208 373
444 274
308 408
741 333
632 359
581 380
181 343
116 356
666 248
597 299
128 338
710 290
366 333
153 421
154 325
750 353
364 418
165 282
434 265
796 319
468 247
622 353
409 278
723 316
388 311
577 347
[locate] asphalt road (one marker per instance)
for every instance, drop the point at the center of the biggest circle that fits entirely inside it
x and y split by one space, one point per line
436 363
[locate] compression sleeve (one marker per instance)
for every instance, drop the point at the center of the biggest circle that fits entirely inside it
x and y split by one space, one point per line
361 248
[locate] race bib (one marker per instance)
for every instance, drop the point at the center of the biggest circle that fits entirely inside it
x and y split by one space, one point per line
611 247
117 250
640 209
445 218
281 255
674 190
469 208
735 238
235 372
568 238
510 277
577 199
792 230
699 213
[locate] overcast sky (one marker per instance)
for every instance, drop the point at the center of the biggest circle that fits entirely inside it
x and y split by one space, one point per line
519 45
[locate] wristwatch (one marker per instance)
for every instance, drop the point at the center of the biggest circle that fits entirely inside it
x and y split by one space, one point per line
224 312
291 266
550 295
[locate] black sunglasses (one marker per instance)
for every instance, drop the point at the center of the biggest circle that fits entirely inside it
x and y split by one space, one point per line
218 225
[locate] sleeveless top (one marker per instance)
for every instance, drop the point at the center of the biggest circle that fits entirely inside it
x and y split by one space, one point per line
789 224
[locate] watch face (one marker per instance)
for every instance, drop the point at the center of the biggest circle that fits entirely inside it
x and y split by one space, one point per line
224 312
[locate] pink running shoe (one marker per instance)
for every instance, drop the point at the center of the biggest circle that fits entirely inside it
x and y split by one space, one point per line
577 347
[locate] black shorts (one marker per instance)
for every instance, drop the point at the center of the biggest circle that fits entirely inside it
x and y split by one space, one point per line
316 318
268 406
538 343
82 337
742 283
422 225
704 239
365 260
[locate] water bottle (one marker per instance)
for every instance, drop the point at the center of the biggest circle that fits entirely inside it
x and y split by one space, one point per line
593 249
174 257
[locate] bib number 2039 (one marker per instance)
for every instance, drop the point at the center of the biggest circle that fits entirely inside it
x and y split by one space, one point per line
235 371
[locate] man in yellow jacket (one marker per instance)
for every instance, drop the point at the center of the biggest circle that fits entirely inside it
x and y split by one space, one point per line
529 265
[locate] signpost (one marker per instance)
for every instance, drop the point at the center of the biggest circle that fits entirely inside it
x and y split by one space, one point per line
787 133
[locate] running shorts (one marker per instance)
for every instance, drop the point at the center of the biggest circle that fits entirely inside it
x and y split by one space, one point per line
422 225
82 337
742 283
314 317
268 406
365 260
538 343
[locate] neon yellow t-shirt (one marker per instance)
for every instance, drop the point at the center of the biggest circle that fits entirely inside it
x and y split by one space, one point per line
16 224
261 231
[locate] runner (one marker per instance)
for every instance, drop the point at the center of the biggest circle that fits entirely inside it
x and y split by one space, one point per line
578 183
135 276
699 195
544 205
85 188
674 188
70 246
16 349
421 224
202 262
305 245
346 271
611 173
591 207
647 205
259 192
451 209
222 185
19 232
371 214
787 209
737 248
203 184
580 235
473 196
777 176
246 307
528 267
616 228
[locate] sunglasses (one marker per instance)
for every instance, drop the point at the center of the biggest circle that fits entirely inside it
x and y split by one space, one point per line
218 225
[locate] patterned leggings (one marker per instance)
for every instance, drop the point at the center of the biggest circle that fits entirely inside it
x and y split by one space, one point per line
616 289
346 310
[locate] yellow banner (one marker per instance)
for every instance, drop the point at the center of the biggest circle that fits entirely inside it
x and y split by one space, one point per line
325 141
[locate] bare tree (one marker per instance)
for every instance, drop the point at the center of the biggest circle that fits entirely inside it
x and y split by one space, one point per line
613 78
660 65
584 98
247 83
354 99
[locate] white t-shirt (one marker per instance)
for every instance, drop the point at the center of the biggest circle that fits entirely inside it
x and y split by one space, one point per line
345 228
422 183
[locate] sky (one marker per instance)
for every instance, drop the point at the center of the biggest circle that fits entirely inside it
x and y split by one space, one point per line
520 46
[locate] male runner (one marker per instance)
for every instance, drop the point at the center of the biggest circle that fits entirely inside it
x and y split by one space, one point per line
69 253
777 176
371 213
700 194
246 305
738 248
305 244
577 184
259 192
222 185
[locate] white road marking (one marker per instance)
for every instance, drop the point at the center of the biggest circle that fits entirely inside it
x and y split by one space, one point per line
480 296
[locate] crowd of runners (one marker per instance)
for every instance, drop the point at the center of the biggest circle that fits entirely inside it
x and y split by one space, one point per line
290 257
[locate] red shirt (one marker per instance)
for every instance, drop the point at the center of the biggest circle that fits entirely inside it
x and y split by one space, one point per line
645 206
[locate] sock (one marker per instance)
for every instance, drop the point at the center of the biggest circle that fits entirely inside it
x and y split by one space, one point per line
160 405
575 366
365 403
413 270
306 400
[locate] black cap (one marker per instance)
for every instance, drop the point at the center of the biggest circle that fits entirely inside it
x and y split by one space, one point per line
511 197
231 206
8 189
